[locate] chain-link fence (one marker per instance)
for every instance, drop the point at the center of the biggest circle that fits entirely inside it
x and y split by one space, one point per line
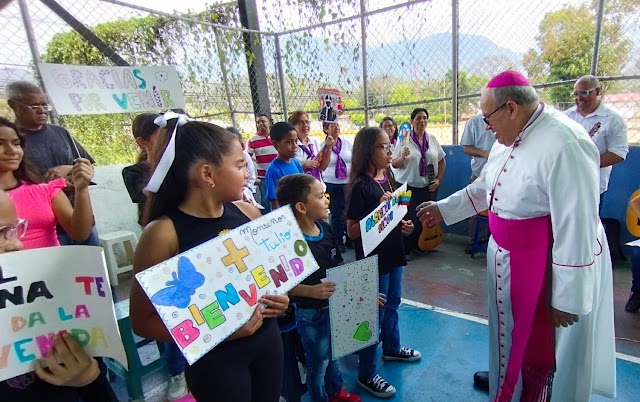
386 58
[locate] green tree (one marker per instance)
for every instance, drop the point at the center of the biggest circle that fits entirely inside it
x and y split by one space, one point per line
566 45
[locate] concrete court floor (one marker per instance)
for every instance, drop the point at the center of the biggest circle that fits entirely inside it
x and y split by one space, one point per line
453 348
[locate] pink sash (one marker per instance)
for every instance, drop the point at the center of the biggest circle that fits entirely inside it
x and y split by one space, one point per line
532 351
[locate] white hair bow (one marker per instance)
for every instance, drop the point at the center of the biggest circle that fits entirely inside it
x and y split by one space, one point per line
169 153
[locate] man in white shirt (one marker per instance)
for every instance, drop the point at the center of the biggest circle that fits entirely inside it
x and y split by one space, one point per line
476 142
549 280
606 127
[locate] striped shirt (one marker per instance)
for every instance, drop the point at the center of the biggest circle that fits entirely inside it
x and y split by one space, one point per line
262 148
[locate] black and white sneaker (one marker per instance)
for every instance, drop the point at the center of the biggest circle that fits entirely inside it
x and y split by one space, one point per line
378 386
404 355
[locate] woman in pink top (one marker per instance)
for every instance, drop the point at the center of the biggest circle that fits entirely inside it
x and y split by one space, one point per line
44 205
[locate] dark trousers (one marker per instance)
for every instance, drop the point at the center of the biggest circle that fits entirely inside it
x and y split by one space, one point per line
248 369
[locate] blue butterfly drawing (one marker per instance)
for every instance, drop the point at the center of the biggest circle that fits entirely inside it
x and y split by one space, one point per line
184 284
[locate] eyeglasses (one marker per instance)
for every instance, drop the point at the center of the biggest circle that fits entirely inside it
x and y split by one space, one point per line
9 232
486 118
44 106
388 126
386 147
304 123
586 92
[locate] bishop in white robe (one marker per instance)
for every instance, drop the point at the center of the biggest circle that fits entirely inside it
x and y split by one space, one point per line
548 265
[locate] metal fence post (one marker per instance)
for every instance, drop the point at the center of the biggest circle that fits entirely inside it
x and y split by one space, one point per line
223 69
283 90
596 40
256 69
365 75
35 53
455 29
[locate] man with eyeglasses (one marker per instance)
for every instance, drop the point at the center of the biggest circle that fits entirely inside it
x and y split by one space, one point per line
549 279
73 375
605 126
476 142
50 148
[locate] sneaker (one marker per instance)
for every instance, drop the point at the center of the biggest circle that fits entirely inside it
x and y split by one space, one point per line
344 396
633 305
177 387
404 355
378 386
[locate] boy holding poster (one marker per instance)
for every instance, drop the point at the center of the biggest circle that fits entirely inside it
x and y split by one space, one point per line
305 194
371 185
199 177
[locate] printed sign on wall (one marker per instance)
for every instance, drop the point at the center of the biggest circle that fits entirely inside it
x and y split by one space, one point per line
330 104
379 223
49 290
353 307
207 293
102 90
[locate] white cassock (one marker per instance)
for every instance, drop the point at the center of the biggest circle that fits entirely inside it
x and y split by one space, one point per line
552 171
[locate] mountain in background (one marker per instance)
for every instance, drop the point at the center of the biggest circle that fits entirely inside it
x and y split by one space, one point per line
414 59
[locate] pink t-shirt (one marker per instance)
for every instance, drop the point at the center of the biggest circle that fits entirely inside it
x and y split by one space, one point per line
34 203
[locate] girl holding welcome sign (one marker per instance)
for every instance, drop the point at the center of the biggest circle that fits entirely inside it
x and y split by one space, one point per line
194 189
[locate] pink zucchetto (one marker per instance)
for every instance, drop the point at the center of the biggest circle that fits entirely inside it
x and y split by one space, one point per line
509 78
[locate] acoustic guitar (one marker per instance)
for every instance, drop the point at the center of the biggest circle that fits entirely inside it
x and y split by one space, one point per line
633 221
430 238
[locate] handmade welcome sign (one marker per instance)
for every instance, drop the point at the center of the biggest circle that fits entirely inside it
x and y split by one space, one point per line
353 307
207 293
379 223
102 90
49 290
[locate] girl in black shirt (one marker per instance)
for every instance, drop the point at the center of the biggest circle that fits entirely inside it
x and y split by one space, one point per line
193 204
371 185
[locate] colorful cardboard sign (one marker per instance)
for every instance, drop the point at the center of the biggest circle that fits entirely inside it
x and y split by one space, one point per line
382 220
102 90
353 307
330 104
207 293
49 290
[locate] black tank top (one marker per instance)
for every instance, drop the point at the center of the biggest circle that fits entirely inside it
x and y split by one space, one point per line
193 231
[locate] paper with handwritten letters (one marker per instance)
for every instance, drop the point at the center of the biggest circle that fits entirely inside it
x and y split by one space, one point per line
46 291
353 308
207 293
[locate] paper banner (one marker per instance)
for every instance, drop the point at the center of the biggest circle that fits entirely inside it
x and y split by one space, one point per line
375 227
353 308
49 290
102 90
330 104
205 294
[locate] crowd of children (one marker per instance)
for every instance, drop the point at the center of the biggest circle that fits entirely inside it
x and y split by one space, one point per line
211 186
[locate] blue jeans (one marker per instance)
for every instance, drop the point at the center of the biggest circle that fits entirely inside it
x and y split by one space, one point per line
391 285
173 356
323 374
262 186
336 191
65 240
